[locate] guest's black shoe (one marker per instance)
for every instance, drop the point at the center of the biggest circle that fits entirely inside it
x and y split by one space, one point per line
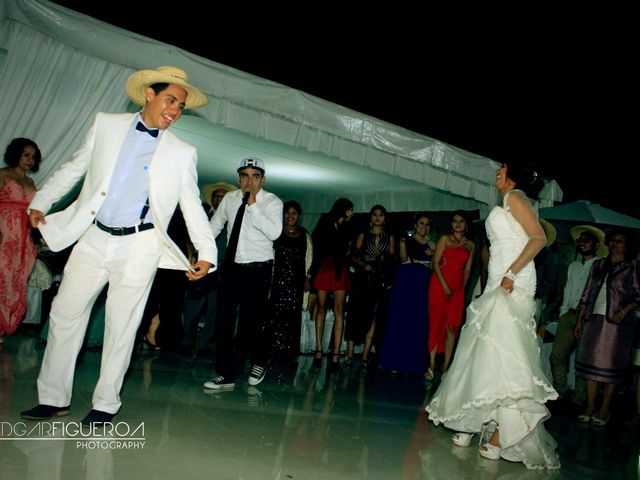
97 418
43 412
154 347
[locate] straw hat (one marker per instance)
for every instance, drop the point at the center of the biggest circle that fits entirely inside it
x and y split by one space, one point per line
603 250
140 81
549 231
208 190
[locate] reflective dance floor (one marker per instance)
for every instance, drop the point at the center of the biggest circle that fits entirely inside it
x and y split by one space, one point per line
300 423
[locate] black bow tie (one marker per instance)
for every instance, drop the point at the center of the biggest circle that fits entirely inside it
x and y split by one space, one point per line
140 127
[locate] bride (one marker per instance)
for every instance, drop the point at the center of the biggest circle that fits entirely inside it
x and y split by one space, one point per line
495 384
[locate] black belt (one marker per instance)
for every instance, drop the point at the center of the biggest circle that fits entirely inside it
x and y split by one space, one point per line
121 231
253 264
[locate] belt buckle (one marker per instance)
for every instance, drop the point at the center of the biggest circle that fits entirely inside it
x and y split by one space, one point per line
118 231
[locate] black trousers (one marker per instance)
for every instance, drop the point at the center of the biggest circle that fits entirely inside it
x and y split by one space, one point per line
243 292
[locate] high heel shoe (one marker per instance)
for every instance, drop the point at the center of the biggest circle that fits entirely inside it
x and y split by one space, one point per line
152 346
599 422
492 452
486 449
348 362
462 439
584 418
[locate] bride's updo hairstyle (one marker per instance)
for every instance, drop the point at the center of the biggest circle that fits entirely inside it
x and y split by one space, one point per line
527 178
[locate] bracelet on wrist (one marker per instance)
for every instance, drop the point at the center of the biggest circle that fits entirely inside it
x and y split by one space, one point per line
510 275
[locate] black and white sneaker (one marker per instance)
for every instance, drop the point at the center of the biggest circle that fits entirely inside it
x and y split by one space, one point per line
219 383
257 374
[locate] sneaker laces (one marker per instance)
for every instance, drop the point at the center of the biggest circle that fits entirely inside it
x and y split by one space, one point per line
257 371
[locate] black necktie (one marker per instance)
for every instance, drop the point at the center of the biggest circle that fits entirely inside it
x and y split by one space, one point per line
141 128
232 246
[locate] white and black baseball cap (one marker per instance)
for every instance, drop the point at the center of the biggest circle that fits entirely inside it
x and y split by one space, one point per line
251 162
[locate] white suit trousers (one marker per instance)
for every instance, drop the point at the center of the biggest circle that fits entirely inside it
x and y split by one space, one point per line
128 263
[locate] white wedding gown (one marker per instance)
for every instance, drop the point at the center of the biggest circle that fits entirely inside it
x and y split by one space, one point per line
496 373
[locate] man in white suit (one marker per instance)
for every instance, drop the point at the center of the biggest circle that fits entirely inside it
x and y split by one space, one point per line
135 174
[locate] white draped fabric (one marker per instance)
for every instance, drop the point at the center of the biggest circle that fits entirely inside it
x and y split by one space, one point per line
61 67
55 94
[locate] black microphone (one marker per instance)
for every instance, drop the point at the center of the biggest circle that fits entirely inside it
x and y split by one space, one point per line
245 197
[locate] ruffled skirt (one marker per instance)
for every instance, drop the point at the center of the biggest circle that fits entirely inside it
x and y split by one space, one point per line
496 376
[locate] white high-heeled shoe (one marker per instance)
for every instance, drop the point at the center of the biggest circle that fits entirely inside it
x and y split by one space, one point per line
492 452
486 449
462 439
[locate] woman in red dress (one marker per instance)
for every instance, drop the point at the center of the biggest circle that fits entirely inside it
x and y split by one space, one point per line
451 265
17 250
330 273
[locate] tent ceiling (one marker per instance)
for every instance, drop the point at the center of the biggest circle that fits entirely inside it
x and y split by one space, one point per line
62 67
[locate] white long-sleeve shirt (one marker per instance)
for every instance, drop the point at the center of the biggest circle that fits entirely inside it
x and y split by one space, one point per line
261 224
577 275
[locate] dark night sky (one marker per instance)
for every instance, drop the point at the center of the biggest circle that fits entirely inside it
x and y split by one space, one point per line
555 89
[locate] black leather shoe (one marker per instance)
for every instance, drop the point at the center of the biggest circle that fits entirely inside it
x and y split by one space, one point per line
97 418
42 412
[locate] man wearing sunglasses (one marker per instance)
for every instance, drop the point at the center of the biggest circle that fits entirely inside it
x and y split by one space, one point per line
590 245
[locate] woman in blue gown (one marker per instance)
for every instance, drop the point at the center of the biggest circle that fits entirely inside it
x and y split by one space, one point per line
405 344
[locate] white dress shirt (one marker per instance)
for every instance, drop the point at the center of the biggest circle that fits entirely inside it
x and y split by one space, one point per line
577 276
261 225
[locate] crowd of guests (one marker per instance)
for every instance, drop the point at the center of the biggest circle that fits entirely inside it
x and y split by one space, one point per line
351 273
377 282
396 293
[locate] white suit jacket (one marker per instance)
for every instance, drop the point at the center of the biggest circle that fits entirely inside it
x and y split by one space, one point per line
172 181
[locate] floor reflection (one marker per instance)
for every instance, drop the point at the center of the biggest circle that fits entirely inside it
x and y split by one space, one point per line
300 423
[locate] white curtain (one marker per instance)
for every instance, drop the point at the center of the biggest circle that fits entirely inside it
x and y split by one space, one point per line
55 95
62 67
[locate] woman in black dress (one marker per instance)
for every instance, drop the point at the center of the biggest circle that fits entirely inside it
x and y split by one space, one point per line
293 253
373 260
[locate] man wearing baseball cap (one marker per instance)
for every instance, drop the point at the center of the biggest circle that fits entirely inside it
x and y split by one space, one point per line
135 175
254 220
